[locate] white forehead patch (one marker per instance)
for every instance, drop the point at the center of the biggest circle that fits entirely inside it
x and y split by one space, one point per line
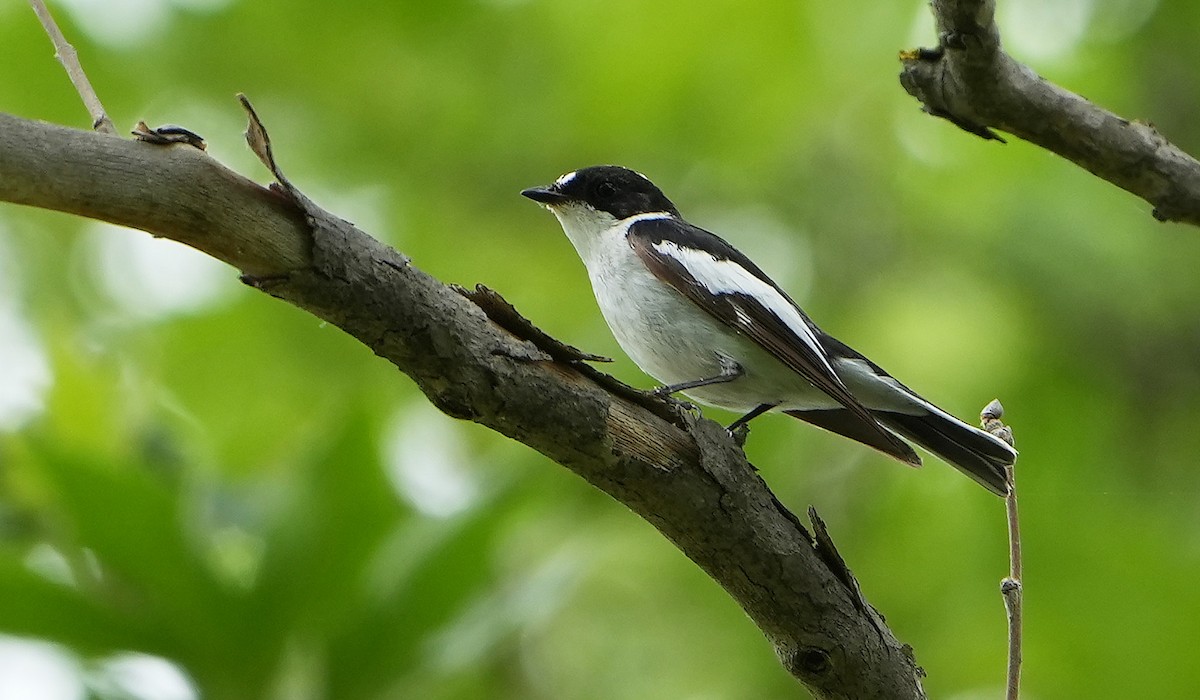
562 181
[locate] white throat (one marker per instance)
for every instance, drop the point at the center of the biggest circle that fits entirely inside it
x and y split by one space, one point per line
587 228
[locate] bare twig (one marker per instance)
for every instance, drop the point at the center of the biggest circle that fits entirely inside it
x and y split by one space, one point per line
1010 587
66 55
969 80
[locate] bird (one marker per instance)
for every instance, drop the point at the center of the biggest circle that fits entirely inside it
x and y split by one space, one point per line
696 314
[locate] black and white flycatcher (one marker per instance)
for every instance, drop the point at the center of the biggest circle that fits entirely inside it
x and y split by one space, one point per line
696 314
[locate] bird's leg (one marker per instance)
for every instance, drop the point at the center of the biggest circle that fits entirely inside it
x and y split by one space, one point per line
730 371
755 413
740 428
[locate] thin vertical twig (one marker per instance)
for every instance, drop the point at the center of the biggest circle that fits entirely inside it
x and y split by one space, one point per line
66 55
1010 586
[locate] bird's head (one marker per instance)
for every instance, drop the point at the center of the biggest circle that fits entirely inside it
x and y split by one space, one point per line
613 193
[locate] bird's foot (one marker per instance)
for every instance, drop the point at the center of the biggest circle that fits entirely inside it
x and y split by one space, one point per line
739 432
664 392
684 409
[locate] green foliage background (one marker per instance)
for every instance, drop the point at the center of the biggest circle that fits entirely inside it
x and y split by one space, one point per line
218 479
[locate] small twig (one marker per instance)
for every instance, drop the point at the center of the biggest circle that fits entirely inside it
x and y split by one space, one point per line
66 55
1010 587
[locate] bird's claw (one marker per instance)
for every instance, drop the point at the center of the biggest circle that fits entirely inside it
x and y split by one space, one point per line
739 433
684 409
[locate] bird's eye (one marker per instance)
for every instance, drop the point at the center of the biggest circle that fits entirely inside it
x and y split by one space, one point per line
606 189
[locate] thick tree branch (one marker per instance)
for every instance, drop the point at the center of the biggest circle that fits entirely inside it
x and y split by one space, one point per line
971 81
686 477
176 192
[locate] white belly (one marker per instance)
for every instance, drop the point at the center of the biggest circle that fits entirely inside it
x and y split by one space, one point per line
674 341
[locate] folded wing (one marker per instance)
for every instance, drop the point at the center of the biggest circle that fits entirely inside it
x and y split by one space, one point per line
732 289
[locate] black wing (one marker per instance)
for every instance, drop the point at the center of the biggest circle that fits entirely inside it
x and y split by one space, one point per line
662 244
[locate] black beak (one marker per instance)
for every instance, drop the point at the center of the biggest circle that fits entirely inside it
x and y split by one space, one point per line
545 195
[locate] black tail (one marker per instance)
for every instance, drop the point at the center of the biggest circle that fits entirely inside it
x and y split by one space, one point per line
847 424
973 452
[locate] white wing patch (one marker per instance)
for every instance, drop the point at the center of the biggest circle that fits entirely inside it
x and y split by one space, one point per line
728 277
